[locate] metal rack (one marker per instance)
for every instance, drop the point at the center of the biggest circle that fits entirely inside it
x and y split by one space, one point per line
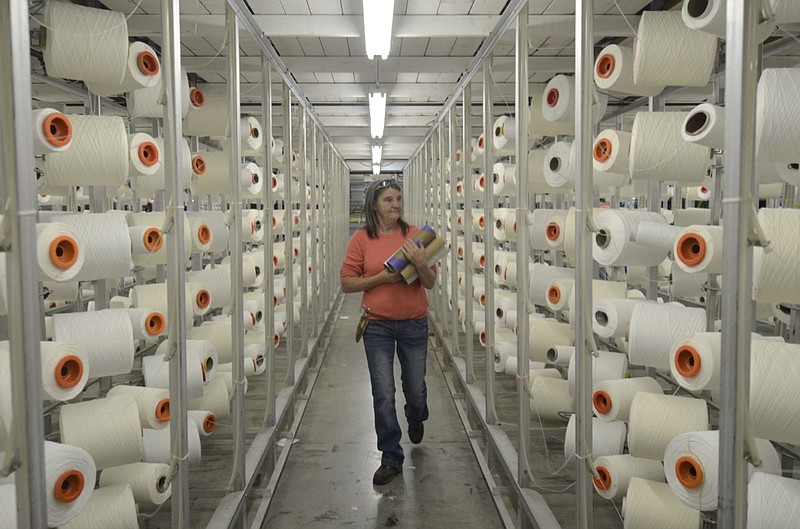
491 445
255 451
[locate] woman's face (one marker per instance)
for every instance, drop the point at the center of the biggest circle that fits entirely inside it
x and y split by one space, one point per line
389 205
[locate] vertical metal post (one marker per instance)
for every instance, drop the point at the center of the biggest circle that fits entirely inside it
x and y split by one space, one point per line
269 246
288 269
176 269
740 188
448 166
303 209
523 324
437 177
24 323
315 231
237 281
466 112
488 242
584 41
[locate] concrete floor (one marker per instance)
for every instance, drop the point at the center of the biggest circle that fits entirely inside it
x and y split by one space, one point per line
327 481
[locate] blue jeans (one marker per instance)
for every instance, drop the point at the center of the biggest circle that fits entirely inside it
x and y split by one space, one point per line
411 339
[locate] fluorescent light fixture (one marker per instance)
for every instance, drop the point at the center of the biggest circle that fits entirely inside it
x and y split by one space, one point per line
376 169
377 150
378 27
377 113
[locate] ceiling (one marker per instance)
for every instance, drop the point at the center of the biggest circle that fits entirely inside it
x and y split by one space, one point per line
322 44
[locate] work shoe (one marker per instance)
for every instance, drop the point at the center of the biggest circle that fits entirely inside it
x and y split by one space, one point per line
385 474
416 433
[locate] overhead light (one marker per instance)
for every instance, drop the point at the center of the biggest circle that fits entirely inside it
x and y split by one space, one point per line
378 27
376 169
377 113
377 150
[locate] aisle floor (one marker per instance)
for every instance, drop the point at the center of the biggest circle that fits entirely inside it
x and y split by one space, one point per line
327 481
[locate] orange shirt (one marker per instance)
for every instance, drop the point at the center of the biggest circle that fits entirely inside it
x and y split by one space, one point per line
390 301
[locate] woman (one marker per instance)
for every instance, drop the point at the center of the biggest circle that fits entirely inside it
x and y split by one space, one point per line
398 318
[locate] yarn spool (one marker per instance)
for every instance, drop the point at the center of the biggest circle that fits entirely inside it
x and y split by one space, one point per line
560 355
149 482
478 258
57 291
655 328
98 154
612 317
156 373
546 333
145 239
554 231
537 183
157 445
691 464
107 507
60 252
651 504
205 421
776 276
214 399
789 173
600 290
608 438
478 183
771 400
656 419
685 284
613 70
658 151
504 300
144 154
705 125
657 235
612 245
775 115
559 292
106 337
142 70
252 135
611 151
154 296
210 118
202 235
52 131
690 216
217 281
106 428
549 398
505 224
106 243
278 150
612 399
505 179
606 366
65 369
75 31
772 502
152 403
540 220
698 193
159 219
558 103
558 171
785 10
538 126
203 350
505 135
147 102
542 276
216 222
148 184
569 232
599 178
668 53
616 471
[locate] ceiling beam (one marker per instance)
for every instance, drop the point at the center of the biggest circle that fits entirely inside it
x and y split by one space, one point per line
359 65
405 26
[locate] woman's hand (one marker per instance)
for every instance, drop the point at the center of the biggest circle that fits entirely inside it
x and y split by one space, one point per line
414 253
386 276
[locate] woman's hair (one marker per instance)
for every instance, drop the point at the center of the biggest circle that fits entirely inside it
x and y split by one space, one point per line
374 191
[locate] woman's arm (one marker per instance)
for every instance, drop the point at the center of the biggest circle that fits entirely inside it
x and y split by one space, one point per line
360 284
